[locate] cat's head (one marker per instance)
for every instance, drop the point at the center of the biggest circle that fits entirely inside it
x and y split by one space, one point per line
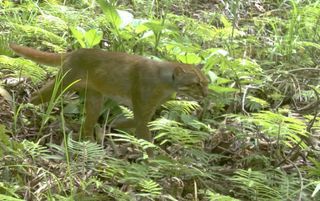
189 80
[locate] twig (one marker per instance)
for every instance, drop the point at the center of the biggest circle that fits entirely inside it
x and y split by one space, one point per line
301 179
246 90
304 69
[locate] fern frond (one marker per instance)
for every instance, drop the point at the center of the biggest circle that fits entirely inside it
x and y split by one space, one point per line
125 137
118 194
38 32
4 41
286 130
267 185
211 196
255 183
126 112
23 67
150 187
171 131
181 106
36 150
87 153
255 103
52 23
163 123
289 129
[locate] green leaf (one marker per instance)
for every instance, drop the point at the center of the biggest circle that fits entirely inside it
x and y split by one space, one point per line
309 44
23 67
9 198
93 37
126 18
213 76
150 186
78 34
3 137
37 32
111 14
220 89
316 190
155 26
189 58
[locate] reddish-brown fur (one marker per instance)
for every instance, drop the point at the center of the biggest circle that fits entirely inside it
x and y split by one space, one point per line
140 82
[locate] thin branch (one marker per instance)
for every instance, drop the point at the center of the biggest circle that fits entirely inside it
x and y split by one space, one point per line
304 69
246 90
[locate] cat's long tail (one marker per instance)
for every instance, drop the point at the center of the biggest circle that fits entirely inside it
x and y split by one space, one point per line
51 59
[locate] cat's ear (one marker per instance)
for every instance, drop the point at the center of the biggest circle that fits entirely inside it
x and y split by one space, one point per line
179 75
177 71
